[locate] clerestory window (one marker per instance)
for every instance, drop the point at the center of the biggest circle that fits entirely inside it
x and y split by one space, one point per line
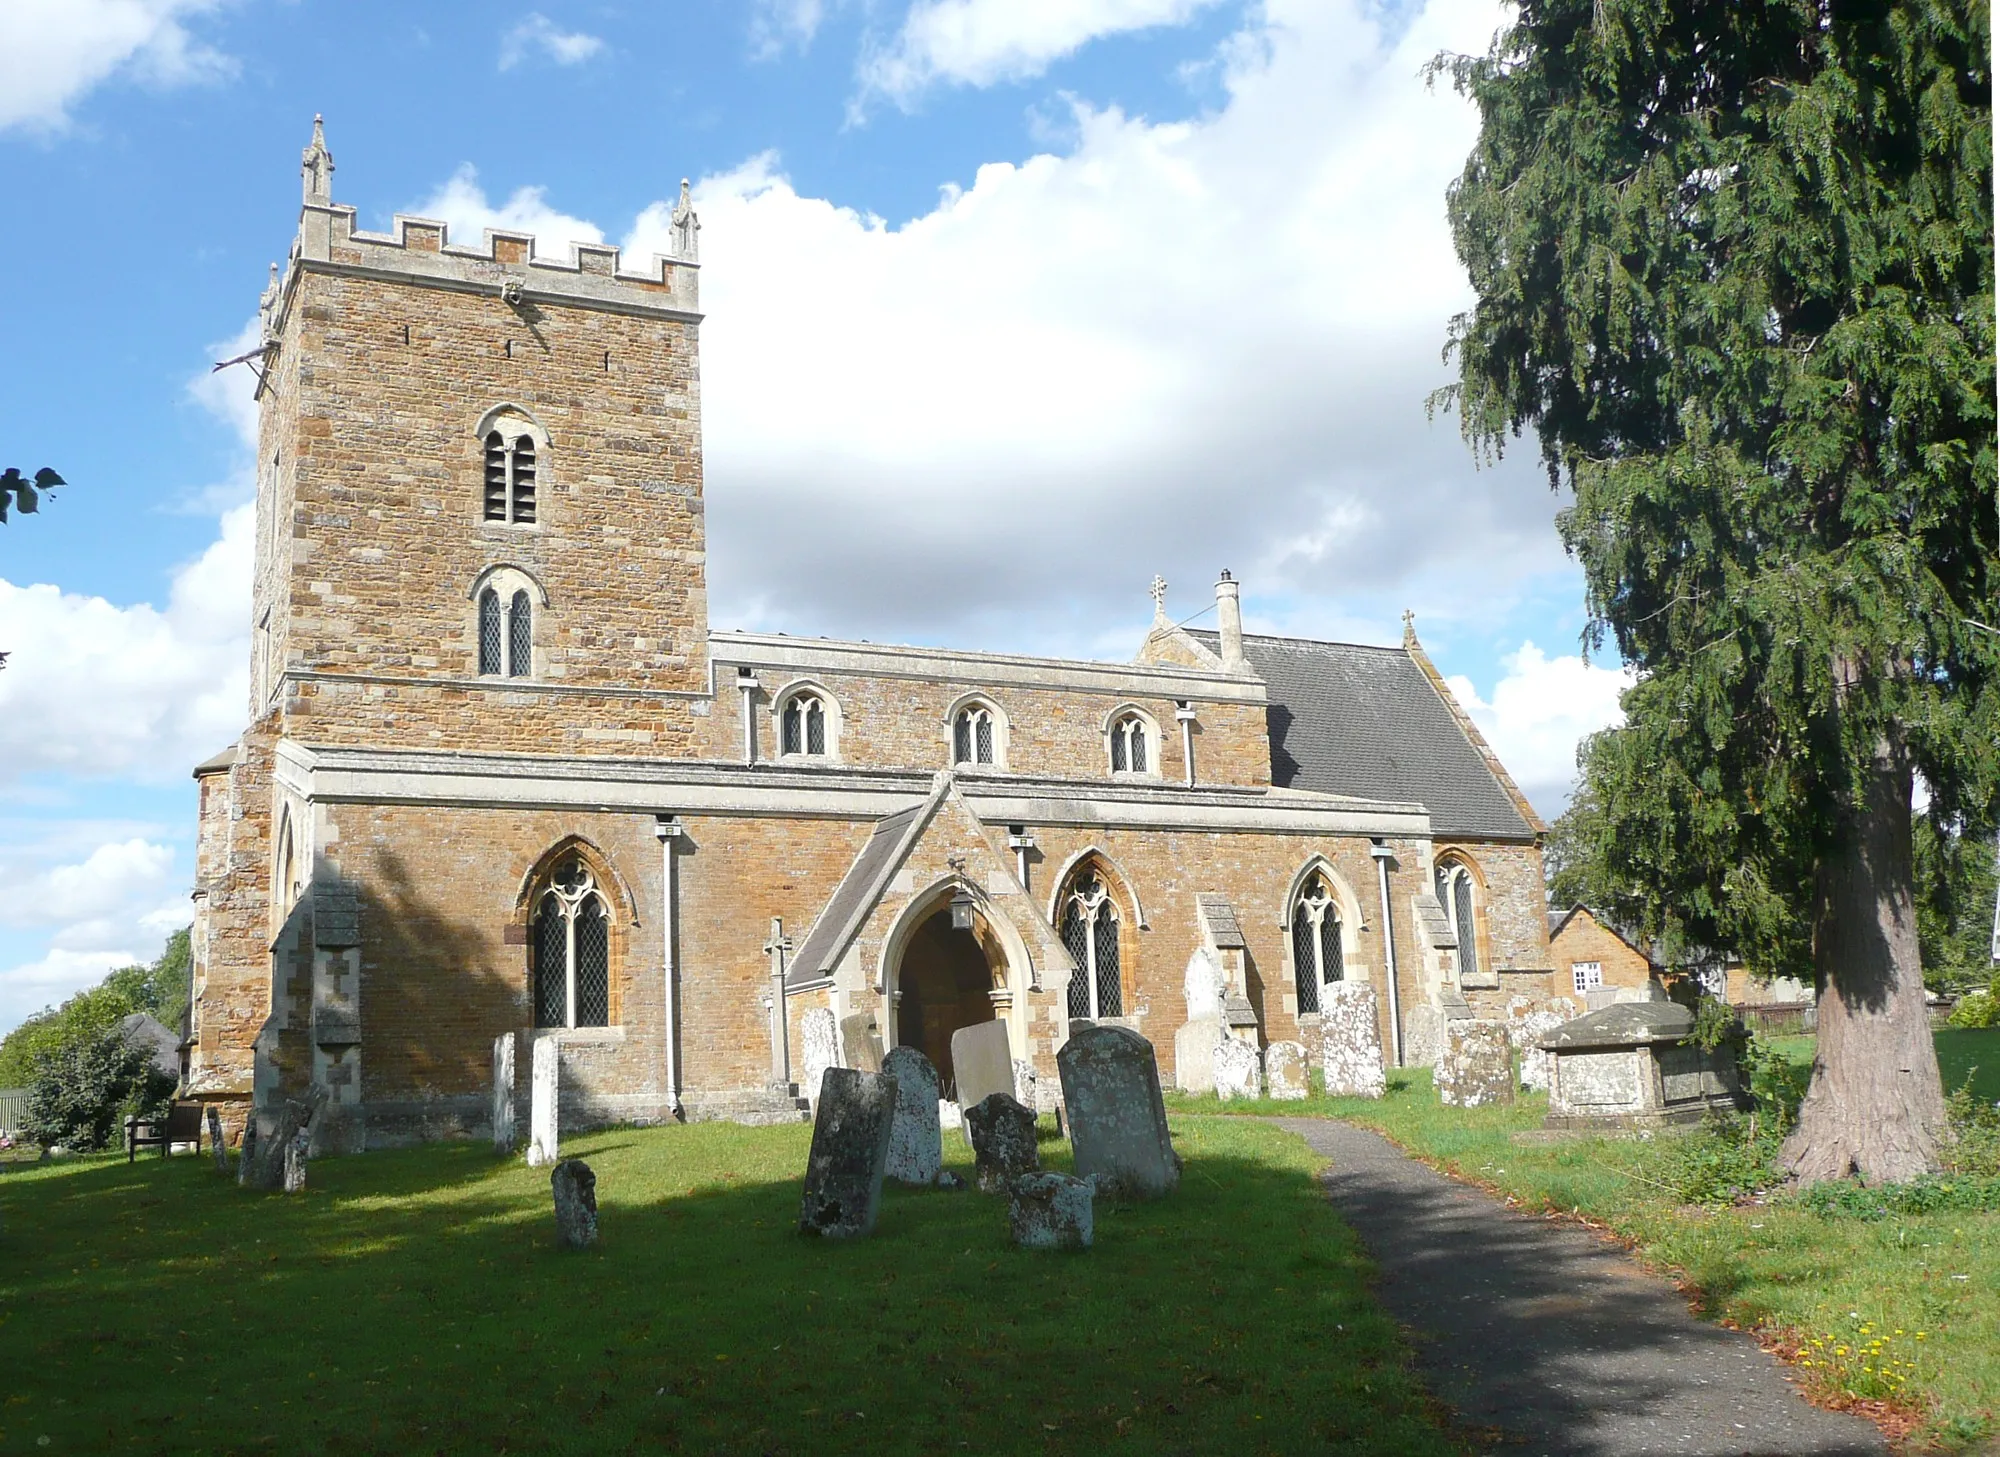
804 725
973 736
1130 745
510 479
1090 931
1317 957
572 945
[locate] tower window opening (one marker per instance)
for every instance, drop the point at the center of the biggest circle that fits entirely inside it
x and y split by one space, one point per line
511 470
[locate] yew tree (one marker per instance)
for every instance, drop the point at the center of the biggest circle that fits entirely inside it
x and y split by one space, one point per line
1733 265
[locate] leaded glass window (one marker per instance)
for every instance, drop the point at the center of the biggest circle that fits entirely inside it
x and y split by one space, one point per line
803 725
1455 894
510 479
972 737
1317 954
520 636
1128 745
490 639
1090 931
572 943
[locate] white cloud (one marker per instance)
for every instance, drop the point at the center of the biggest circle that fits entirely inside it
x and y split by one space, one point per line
52 52
538 33
462 204
49 981
92 890
981 42
1539 712
777 24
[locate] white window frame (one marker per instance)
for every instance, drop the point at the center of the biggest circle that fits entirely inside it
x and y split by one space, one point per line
1586 976
1090 893
1318 900
1450 872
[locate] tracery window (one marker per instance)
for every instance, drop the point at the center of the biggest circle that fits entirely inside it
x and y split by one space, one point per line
1129 745
973 738
572 945
1455 892
1317 958
1090 931
506 635
803 726
510 478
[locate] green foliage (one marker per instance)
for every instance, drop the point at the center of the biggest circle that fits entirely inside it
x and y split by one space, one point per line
25 494
1720 1162
1972 1145
1926 1194
83 1088
161 990
1734 264
1977 1009
1955 891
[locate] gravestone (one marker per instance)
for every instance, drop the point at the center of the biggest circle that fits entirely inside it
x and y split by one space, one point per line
217 1147
950 1115
916 1148
1027 1084
1003 1140
1194 1053
268 1139
1285 1072
544 1140
850 1149
295 1162
503 1094
819 1049
1476 1066
246 1156
861 1042
575 1189
1117 1120
1237 1073
1350 1056
1526 1032
1633 1065
1051 1212
982 1062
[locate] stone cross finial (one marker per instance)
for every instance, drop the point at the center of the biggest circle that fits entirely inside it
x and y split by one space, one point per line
316 162
686 226
1409 628
1159 591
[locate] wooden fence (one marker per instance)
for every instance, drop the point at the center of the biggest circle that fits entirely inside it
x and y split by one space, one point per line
13 1111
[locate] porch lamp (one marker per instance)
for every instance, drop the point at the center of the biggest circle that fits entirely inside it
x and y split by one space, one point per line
961 909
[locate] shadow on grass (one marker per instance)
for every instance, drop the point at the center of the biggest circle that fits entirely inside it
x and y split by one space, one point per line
414 1301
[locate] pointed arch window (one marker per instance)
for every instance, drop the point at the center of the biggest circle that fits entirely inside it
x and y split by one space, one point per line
506 634
1130 746
572 945
511 470
973 737
1317 957
1457 894
1090 931
803 725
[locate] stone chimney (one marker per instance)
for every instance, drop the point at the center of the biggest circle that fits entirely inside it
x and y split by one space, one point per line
1229 624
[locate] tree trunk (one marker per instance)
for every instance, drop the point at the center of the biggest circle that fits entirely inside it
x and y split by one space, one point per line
1875 1105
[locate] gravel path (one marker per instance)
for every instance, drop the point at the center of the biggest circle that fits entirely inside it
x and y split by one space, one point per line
1546 1338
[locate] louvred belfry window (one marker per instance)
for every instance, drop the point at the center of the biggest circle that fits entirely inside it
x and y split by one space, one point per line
1090 931
572 942
1316 949
510 479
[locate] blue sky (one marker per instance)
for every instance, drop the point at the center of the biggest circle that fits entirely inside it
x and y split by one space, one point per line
1012 304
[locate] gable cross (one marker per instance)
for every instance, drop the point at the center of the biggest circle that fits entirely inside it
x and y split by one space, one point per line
1159 590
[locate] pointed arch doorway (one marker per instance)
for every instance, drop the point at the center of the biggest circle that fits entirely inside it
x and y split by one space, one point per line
947 979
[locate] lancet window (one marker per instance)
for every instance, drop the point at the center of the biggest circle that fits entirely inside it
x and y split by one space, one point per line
1090 931
1130 745
804 725
973 736
1317 956
1457 894
572 945
506 634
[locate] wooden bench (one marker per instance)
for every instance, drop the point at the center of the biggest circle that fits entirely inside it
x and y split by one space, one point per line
181 1125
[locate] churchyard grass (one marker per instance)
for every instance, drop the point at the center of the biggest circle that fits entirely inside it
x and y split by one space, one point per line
416 1301
1927 1286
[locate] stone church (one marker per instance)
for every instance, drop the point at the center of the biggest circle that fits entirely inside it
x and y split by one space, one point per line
501 777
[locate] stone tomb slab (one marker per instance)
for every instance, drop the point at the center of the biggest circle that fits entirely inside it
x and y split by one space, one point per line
982 1062
503 1094
916 1141
819 1049
1117 1119
1477 1065
574 1188
850 1153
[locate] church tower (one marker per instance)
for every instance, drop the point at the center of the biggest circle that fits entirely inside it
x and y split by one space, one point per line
479 506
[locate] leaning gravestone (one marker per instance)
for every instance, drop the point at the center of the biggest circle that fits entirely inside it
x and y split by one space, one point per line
1050 1212
1476 1066
1350 1042
246 1156
544 1139
861 1042
1236 1071
503 1094
819 1049
916 1147
1117 1120
575 1189
217 1147
295 1162
1285 1072
850 1148
982 1062
1003 1140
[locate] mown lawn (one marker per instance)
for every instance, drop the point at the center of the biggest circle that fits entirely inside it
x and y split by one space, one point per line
415 1301
1928 1286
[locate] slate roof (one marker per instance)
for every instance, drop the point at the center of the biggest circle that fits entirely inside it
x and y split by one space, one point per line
853 897
1366 721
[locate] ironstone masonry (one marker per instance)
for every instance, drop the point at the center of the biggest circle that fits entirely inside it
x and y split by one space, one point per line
500 776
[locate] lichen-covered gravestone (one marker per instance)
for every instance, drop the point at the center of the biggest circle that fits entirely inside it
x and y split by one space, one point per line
295 1161
1526 1032
1476 1066
1117 1120
1027 1084
246 1156
1050 1212
574 1187
1238 1073
861 1042
1285 1072
544 1141
1350 1041
916 1148
503 1094
1003 1140
982 1061
217 1146
819 1049
850 1149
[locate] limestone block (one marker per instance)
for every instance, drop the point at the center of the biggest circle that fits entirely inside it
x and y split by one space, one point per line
1476 1066
574 1186
1237 1070
916 1150
1285 1072
503 1094
1003 1140
217 1147
1051 1212
544 1141
850 1151
1194 1053
982 1062
1350 1041
819 1049
861 1042
1117 1120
